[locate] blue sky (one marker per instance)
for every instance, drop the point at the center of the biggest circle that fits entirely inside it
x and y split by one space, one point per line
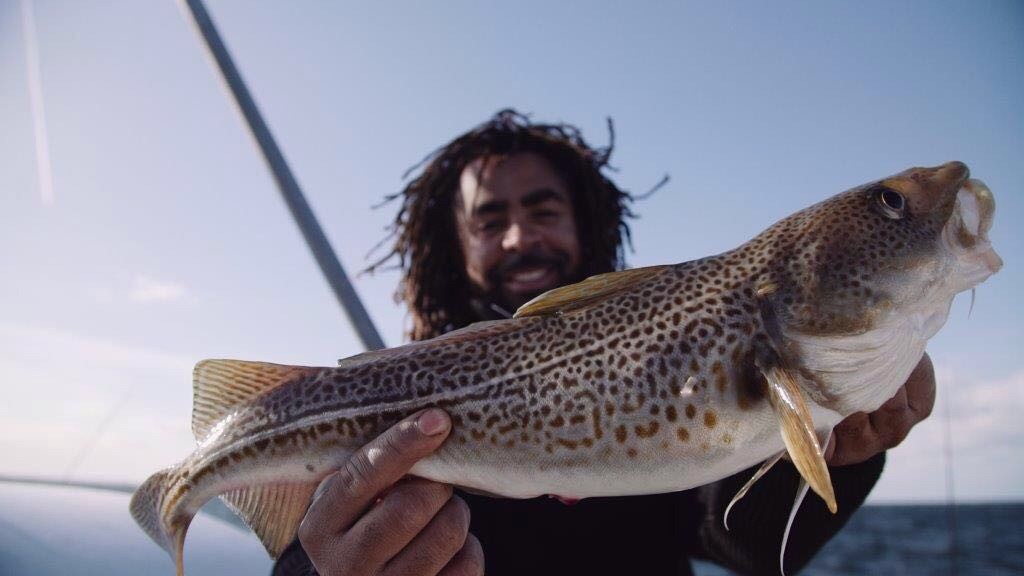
166 241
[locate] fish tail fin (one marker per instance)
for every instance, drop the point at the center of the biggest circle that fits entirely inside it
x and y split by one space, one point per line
147 508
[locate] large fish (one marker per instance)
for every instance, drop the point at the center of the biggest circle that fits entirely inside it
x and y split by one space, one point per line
648 380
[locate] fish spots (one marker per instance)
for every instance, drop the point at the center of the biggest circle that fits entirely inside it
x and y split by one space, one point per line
570 444
646 431
631 452
710 418
683 434
691 411
718 373
620 434
670 413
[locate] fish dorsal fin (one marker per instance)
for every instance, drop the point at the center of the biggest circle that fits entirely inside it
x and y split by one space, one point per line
586 293
273 512
765 467
218 386
471 332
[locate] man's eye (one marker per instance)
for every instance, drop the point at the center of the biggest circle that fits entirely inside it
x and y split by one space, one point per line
491 226
545 214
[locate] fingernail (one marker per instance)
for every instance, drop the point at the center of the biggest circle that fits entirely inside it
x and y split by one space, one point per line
432 422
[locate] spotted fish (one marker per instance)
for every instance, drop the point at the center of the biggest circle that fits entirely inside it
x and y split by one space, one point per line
642 381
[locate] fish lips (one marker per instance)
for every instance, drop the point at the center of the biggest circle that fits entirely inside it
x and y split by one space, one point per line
966 233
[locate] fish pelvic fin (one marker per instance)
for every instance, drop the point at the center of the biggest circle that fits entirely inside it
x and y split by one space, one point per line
218 386
765 467
273 512
147 506
801 492
587 293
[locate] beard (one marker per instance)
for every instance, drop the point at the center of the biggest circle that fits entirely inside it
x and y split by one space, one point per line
552 269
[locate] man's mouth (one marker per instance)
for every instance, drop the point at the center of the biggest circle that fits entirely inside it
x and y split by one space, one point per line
530 279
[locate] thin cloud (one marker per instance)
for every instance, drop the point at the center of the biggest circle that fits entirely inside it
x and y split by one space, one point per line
35 90
83 407
985 432
146 290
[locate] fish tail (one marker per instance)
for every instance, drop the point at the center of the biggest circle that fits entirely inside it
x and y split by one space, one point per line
147 508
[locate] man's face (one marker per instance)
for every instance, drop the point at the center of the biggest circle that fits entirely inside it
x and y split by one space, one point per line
516 227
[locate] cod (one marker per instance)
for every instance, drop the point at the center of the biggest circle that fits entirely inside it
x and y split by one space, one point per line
642 381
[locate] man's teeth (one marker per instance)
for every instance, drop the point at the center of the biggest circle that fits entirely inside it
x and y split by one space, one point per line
529 275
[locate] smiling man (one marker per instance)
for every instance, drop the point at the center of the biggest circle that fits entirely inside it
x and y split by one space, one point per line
497 216
516 229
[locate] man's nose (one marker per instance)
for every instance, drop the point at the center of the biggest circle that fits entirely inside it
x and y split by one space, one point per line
520 237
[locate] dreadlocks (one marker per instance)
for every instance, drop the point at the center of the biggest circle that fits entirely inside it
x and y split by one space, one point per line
434 284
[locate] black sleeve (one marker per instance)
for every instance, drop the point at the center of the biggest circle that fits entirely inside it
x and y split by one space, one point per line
758 521
293 561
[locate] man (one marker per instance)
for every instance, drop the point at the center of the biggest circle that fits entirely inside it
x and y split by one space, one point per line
501 214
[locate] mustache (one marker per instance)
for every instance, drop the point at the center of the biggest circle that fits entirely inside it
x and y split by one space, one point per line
516 262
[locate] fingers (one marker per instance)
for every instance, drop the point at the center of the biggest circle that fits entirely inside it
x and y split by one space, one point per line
468 562
436 545
855 440
377 465
921 388
340 534
395 521
892 421
860 436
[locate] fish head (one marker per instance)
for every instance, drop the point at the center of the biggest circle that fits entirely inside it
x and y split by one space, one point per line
899 247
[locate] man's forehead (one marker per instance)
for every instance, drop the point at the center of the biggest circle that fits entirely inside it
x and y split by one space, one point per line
520 178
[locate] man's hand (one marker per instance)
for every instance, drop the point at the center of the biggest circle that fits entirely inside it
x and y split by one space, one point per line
367 522
860 436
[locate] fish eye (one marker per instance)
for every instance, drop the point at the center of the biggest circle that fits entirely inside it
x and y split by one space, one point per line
892 202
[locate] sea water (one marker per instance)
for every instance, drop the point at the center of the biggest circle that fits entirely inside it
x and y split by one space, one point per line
965 540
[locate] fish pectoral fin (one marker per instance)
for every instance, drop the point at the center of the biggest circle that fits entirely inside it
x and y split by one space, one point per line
273 512
787 399
797 427
586 293
765 467
218 386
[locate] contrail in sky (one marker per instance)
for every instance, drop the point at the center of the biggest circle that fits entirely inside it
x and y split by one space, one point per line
35 94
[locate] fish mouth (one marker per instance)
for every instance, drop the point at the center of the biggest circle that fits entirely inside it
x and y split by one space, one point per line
966 232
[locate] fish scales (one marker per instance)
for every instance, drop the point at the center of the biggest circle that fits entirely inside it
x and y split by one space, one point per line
557 394
649 380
